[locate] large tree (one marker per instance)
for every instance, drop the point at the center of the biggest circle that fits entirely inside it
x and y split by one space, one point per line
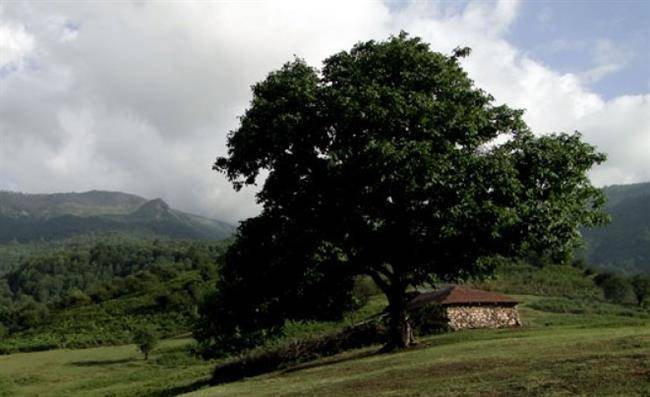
391 162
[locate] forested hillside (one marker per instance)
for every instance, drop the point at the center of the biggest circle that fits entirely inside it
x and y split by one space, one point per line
84 294
624 244
36 217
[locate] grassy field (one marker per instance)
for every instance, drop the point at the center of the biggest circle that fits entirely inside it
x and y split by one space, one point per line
555 354
103 371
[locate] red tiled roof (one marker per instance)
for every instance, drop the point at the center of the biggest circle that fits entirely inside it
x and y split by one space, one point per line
456 295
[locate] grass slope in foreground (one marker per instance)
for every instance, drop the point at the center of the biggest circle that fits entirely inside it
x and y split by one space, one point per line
556 354
574 355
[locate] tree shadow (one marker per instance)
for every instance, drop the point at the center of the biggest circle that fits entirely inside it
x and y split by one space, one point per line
320 364
177 390
99 363
356 356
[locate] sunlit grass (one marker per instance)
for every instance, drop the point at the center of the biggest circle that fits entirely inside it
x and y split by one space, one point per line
555 360
554 354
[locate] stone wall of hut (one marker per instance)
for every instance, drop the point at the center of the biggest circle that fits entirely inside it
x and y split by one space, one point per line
461 317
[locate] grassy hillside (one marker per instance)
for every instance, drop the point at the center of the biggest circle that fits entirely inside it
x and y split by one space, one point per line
116 371
573 342
608 360
554 354
551 280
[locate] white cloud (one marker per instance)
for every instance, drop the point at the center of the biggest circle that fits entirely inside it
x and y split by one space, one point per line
608 57
139 96
553 101
622 129
15 44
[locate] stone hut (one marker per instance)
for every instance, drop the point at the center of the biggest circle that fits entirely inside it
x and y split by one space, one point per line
460 307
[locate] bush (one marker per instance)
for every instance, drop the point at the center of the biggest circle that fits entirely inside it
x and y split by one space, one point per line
102 291
364 288
76 297
32 315
172 300
616 288
146 339
641 287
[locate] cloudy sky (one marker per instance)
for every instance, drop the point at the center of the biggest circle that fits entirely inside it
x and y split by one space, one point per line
139 96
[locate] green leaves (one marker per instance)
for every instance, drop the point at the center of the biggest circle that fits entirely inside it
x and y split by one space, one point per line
397 162
276 126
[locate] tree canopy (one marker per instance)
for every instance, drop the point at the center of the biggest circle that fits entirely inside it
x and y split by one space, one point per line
390 162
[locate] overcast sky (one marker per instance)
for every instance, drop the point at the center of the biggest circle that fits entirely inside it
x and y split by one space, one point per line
139 97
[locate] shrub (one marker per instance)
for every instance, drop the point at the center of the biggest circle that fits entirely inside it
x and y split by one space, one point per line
101 291
641 288
616 288
32 315
364 288
146 339
76 297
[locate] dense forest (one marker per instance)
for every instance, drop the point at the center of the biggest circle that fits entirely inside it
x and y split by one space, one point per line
108 282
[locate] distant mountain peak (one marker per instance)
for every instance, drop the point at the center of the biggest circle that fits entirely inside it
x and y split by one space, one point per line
28 217
156 204
155 210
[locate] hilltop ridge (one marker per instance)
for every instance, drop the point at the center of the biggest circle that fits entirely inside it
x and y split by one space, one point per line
30 217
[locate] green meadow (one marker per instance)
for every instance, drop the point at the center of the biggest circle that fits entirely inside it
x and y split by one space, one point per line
600 351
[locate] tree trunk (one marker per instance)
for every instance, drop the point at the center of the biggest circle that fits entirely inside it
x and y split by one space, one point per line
400 332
